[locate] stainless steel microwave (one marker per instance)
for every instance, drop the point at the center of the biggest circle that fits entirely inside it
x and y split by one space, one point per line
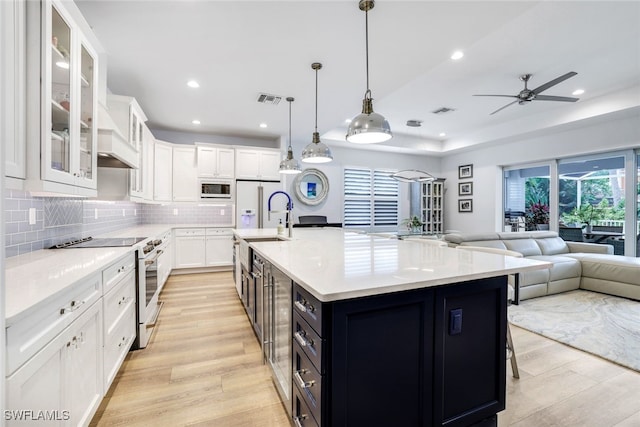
216 189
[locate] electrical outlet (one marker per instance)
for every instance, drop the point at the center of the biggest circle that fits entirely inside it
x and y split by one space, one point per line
135 212
221 211
123 213
32 216
95 213
175 211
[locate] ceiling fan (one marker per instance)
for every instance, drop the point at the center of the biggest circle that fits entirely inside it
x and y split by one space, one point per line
528 95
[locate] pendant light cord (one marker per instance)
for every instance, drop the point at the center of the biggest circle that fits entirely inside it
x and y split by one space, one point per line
366 32
290 148
316 127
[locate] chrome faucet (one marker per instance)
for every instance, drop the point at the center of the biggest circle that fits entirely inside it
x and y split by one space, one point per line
289 210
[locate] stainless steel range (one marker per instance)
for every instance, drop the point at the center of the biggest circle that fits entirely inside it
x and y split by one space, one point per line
148 291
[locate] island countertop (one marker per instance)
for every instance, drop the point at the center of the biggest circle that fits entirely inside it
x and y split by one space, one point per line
334 264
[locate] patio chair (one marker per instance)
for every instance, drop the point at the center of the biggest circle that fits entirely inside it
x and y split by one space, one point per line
571 234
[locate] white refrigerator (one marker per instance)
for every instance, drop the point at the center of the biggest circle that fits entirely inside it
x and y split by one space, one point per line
251 204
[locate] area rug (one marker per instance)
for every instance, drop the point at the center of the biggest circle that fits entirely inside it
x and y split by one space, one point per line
600 324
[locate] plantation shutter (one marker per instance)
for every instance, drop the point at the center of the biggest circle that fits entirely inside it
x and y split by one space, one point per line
370 198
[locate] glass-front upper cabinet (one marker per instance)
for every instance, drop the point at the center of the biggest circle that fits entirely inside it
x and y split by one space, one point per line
137 140
69 72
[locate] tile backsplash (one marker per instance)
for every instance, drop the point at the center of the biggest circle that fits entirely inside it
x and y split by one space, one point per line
60 219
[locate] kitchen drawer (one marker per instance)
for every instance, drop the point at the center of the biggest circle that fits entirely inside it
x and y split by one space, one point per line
118 343
219 232
309 340
188 232
26 337
117 301
302 416
118 270
309 308
308 381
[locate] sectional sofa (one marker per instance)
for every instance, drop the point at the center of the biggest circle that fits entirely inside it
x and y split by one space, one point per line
576 265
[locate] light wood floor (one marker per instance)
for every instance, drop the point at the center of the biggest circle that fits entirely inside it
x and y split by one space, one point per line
203 368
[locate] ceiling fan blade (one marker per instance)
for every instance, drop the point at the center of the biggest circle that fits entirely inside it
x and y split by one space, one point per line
503 96
555 98
554 82
502 108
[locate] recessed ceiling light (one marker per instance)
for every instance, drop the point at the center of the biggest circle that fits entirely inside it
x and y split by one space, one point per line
194 84
457 55
263 125
578 92
442 134
195 122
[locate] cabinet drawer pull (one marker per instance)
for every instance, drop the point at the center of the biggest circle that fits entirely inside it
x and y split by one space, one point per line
297 422
302 339
301 382
300 306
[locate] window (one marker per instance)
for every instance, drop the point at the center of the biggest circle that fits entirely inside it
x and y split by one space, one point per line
526 198
370 199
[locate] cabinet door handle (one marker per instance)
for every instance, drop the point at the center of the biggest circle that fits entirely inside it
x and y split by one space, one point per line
301 382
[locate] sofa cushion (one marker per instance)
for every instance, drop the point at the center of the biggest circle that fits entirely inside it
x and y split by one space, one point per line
615 268
459 238
552 246
527 247
564 267
497 244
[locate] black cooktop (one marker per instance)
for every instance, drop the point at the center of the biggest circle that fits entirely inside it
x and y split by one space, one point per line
107 242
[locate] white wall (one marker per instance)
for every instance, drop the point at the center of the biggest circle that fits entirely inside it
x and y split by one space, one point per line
345 157
603 135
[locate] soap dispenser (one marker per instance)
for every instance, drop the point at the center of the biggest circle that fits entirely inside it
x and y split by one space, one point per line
280 228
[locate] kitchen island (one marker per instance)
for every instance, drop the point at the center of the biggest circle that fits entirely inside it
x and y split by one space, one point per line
361 330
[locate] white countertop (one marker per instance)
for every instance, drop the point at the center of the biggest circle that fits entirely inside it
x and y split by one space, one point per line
334 264
34 279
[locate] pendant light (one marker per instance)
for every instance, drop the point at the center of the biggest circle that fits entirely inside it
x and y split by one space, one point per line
316 151
289 165
368 127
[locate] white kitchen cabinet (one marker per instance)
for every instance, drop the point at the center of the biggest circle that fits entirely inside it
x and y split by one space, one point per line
119 304
62 91
189 247
257 164
219 247
13 90
215 162
162 171
185 174
147 164
165 260
65 376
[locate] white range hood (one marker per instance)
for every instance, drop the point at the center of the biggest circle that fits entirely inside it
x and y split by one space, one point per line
114 151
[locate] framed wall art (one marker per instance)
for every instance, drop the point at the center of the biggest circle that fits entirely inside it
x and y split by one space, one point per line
465 205
465 188
465 171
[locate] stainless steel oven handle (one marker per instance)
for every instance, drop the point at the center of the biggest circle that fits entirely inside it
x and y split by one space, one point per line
155 258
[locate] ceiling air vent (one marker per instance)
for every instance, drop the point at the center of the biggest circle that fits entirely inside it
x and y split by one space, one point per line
443 110
264 98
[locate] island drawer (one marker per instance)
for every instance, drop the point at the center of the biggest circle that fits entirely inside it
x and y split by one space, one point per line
308 381
309 308
302 416
308 340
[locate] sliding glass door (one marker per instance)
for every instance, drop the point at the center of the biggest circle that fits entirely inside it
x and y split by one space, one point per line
592 198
